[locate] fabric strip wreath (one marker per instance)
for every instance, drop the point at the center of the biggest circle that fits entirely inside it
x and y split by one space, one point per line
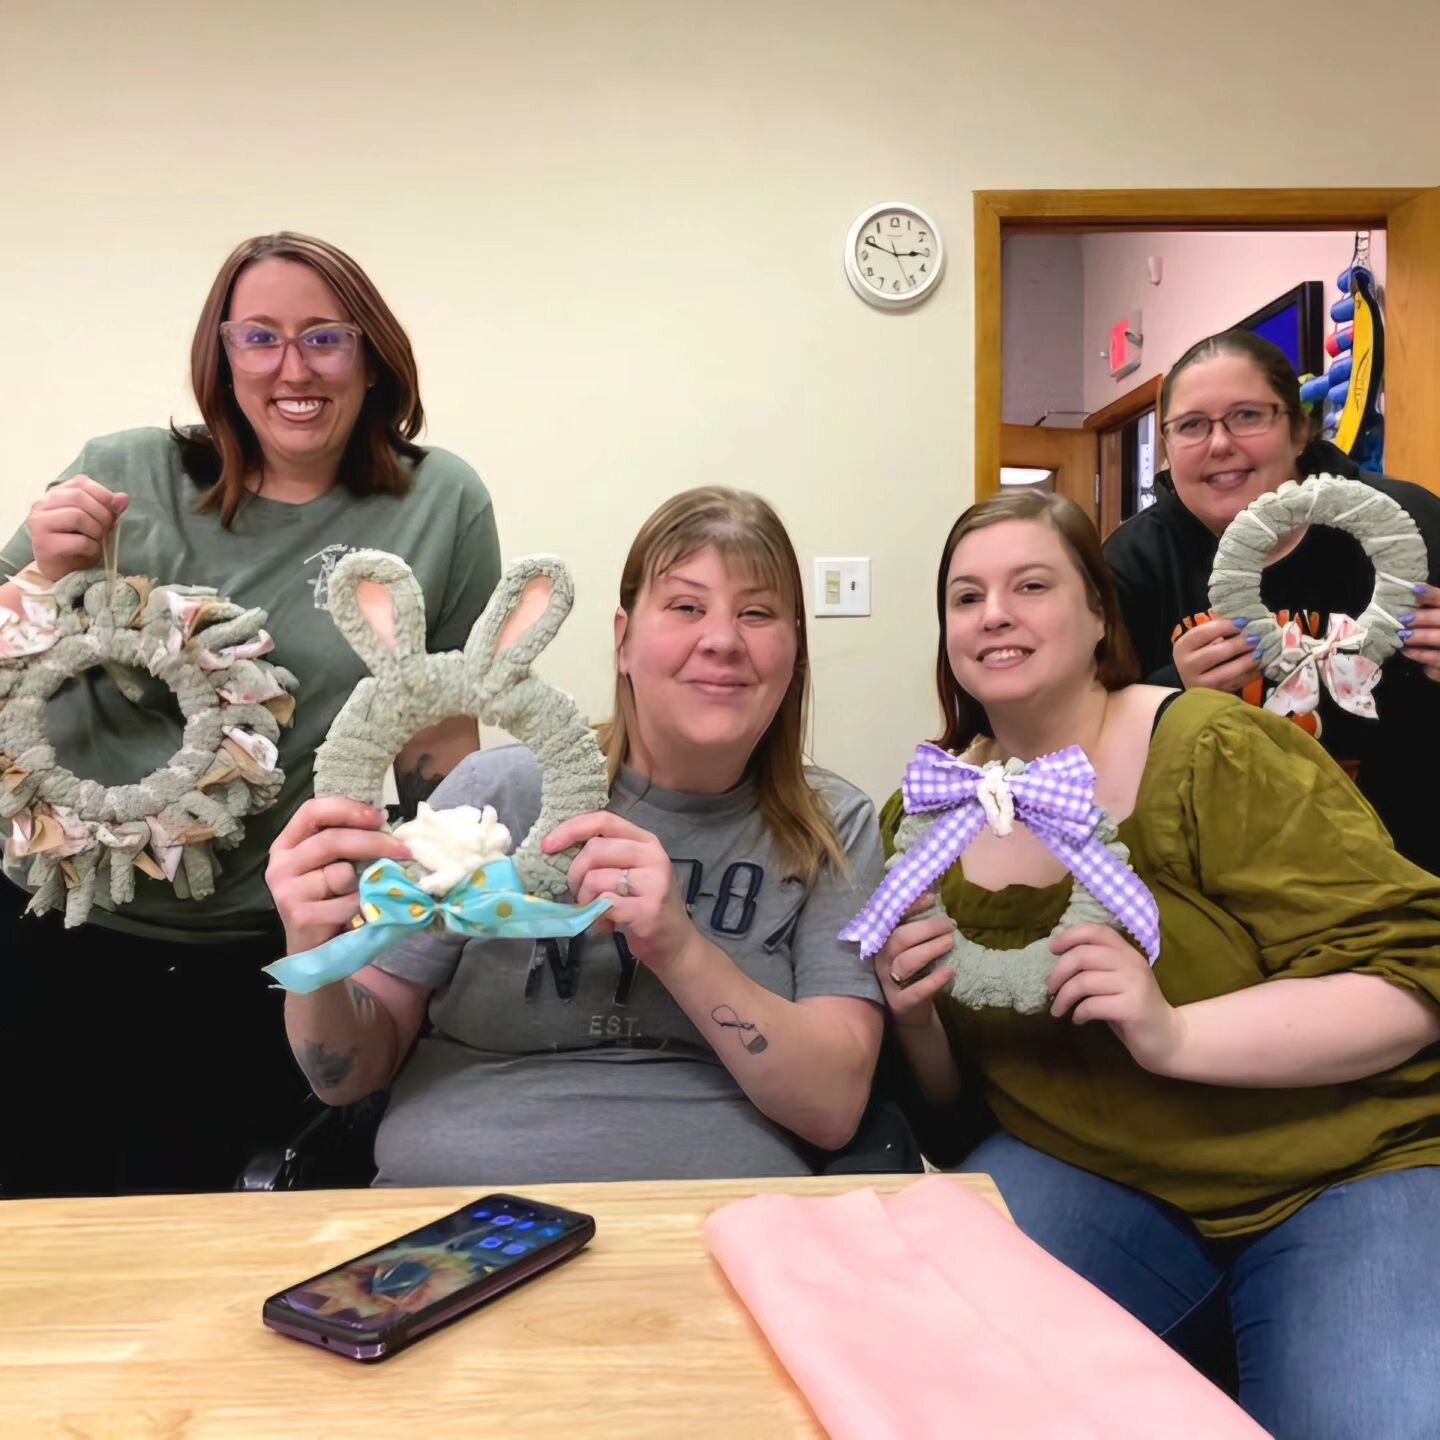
516 896
1346 660
77 833
947 802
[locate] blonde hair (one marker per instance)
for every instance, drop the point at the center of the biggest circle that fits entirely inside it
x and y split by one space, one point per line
745 531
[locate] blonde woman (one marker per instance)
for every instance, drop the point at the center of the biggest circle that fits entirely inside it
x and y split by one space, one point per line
720 1027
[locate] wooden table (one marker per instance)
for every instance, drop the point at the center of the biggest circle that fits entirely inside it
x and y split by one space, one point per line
141 1317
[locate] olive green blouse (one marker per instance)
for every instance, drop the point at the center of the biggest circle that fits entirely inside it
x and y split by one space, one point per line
1266 862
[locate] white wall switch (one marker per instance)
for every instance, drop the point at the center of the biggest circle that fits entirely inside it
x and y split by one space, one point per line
842 586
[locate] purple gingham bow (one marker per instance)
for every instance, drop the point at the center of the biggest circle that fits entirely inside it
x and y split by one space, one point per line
1054 796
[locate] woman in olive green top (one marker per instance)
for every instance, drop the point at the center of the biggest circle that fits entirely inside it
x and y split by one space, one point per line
1256 1119
157 1015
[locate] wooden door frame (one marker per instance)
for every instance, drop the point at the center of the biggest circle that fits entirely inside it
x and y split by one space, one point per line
1058 211
1110 422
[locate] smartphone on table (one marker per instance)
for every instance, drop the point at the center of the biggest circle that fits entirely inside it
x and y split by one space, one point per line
378 1303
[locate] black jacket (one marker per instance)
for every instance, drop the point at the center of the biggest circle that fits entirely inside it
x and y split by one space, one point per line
1162 560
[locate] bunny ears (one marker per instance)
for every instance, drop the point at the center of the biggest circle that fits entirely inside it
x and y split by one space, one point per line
409 689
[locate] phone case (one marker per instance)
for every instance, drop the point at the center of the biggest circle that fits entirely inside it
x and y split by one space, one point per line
415 1257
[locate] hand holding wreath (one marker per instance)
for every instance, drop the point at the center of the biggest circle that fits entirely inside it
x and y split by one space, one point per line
1101 976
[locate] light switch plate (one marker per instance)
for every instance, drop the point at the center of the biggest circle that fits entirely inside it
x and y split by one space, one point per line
842 586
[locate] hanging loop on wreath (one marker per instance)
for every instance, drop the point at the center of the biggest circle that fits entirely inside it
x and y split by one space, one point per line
1347 659
84 840
948 802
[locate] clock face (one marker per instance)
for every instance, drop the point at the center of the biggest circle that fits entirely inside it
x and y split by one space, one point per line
894 256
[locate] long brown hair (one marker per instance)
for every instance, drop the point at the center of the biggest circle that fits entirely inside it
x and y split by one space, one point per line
962 716
746 531
219 454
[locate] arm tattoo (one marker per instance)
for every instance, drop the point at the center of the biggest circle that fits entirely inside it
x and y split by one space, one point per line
413 786
325 1069
727 1019
362 1000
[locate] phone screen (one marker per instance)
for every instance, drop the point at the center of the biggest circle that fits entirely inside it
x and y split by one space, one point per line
416 1274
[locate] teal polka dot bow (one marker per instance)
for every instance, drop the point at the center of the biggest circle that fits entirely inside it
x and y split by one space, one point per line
491 904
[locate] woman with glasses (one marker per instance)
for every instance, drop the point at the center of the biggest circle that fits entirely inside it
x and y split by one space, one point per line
310 401
1234 430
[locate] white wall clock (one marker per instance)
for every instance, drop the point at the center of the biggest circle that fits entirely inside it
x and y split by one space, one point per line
893 255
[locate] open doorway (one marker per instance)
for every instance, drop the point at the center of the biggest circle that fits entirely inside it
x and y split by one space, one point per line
1408 219
1091 321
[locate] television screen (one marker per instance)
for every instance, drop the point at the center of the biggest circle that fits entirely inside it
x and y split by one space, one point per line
1295 322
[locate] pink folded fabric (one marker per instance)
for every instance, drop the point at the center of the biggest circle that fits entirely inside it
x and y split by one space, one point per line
927 1314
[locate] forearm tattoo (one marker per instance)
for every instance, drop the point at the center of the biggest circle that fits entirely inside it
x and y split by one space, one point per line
325 1069
727 1019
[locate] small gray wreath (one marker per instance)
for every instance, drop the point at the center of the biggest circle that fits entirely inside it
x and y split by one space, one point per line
409 689
1389 537
79 832
1012 979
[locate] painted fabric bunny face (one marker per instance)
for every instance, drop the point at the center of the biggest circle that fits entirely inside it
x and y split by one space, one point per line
409 689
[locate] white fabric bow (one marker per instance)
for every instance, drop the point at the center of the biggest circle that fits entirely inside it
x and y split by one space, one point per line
1333 660
995 797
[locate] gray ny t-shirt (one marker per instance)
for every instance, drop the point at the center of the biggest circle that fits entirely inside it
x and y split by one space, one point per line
560 1060
279 557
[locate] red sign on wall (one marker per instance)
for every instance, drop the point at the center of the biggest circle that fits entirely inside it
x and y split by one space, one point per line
1125 346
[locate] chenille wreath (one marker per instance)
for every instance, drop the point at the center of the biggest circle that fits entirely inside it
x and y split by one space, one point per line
1011 979
948 802
490 680
1385 531
77 832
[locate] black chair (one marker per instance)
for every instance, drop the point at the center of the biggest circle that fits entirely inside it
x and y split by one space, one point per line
884 1143
333 1150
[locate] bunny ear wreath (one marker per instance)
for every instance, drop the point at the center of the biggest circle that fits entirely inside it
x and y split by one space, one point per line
1348 658
78 832
409 690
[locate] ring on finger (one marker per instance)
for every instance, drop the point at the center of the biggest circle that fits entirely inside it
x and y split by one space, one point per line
622 886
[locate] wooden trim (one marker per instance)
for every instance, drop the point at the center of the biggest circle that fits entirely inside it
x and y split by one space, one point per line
1070 453
1197 209
1131 404
1112 482
998 211
1412 342
989 363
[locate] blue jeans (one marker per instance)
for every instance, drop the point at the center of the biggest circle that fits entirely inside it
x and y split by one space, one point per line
1335 1311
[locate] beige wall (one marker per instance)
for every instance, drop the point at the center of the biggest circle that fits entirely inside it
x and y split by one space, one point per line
614 231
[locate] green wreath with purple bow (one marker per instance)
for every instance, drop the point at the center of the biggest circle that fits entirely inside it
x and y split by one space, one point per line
948 802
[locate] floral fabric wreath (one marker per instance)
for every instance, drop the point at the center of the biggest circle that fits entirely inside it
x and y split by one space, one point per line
78 833
947 803
1346 660
409 689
